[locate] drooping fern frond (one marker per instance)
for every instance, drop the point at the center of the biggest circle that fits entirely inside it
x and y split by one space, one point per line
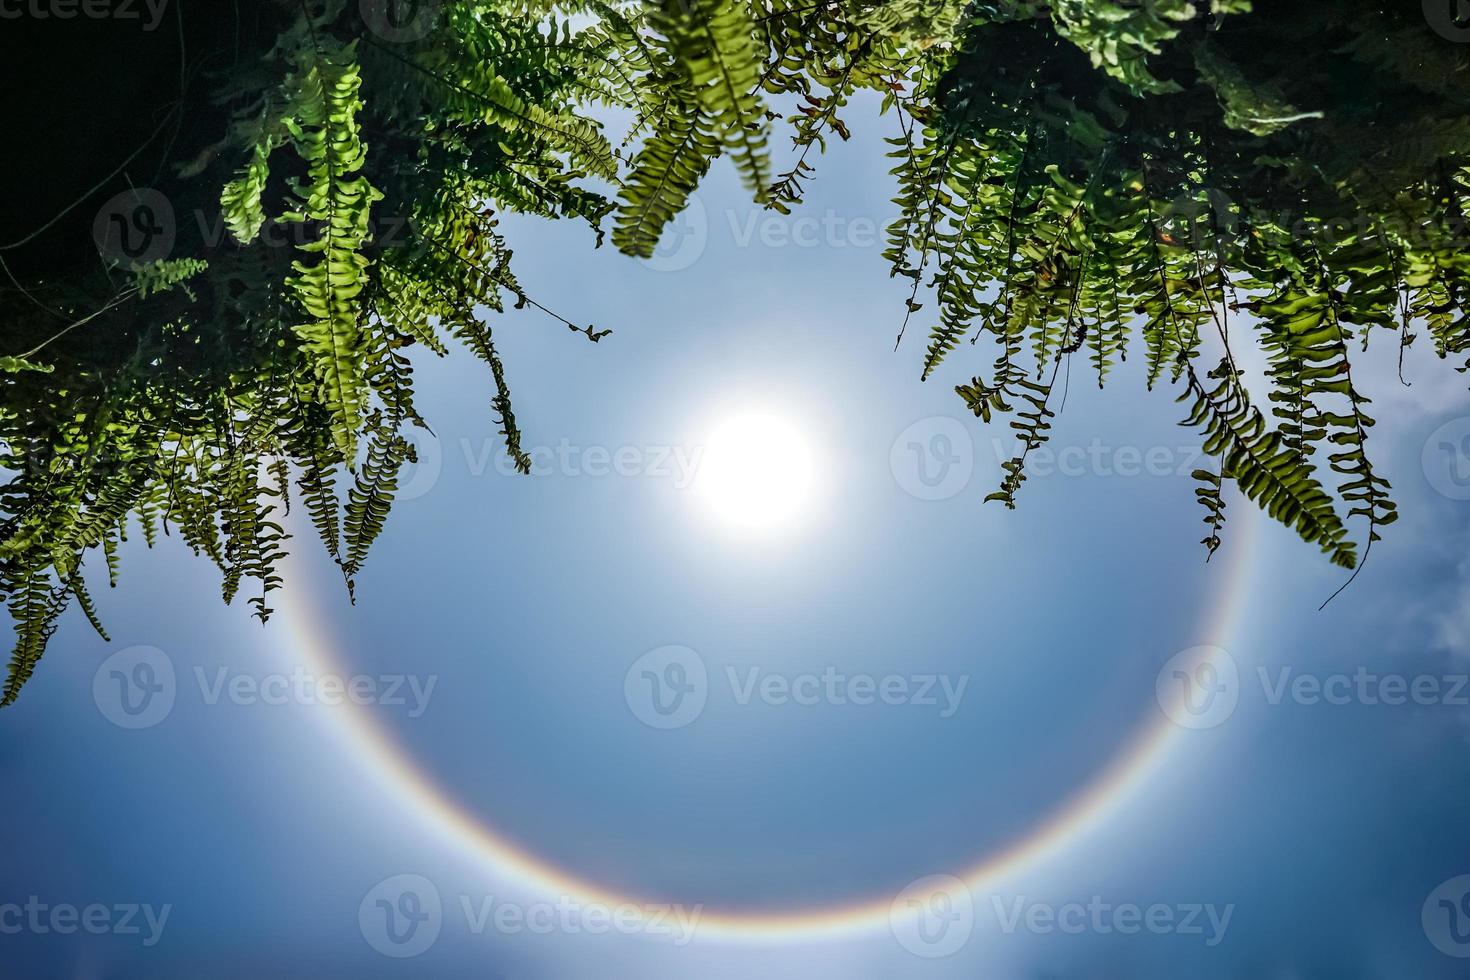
713 42
338 200
35 604
1268 474
370 498
665 173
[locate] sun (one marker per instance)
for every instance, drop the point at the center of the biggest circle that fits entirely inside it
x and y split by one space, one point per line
755 471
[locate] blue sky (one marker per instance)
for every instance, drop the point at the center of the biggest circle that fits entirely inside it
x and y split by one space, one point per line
506 628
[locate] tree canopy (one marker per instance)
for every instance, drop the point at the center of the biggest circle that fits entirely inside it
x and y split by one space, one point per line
222 251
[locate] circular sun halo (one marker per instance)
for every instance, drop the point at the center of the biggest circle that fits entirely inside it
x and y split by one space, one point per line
756 471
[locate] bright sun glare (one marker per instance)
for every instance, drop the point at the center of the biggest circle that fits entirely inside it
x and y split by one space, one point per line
756 471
